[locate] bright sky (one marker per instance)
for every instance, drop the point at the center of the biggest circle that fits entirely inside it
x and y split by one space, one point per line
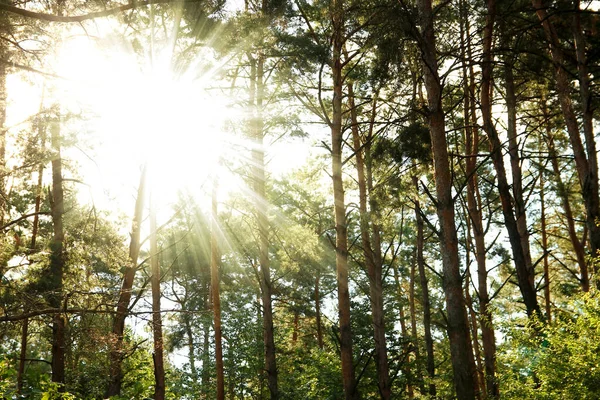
137 111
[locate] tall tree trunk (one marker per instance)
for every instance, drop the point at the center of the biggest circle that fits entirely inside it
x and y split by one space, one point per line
515 159
22 354
341 229
258 172
545 248
57 260
458 328
191 352
318 312
524 269
480 393
414 337
118 329
404 332
216 298
372 261
586 164
205 391
474 208
158 354
430 363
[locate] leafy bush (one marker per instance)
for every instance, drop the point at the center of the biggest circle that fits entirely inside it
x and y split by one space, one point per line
558 361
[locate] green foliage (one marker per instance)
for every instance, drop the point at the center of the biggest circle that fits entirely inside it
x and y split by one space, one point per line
558 361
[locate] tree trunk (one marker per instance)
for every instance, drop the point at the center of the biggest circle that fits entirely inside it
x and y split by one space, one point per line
205 391
191 353
216 298
257 87
430 364
374 267
414 337
524 269
158 355
404 332
458 328
545 248
586 164
22 355
341 237
57 261
318 312
475 217
515 159
117 351
480 393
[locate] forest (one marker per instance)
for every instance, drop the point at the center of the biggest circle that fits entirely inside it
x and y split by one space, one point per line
299 199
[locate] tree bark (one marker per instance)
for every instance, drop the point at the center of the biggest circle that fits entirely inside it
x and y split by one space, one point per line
22 355
57 260
545 249
475 216
216 298
257 86
515 159
118 329
372 260
404 332
430 363
318 312
158 355
341 238
458 328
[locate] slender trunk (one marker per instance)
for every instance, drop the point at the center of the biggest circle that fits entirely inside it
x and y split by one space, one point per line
414 338
22 355
216 298
341 237
191 352
404 332
258 158
158 355
39 190
295 331
474 329
524 269
430 363
57 261
118 329
545 248
318 312
458 328
374 267
563 193
205 348
515 159
586 164
476 219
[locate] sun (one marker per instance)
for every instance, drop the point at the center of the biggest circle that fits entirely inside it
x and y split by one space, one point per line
141 112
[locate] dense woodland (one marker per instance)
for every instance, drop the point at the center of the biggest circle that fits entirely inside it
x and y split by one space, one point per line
441 240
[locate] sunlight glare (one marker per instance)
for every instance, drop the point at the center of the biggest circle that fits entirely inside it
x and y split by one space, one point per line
143 113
